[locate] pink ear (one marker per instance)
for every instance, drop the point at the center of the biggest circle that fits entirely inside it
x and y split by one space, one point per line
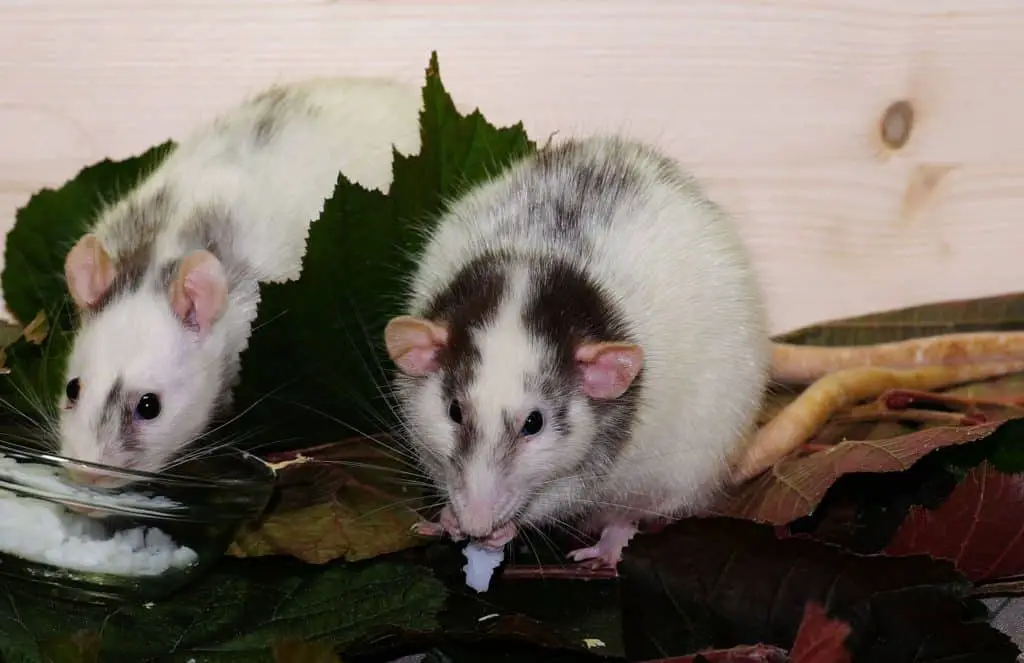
88 271
413 344
199 292
608 368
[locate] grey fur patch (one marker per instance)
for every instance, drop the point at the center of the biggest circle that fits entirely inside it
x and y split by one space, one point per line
565 188
271 104
118 414
135 228
130 275
469 302
274 106
564 310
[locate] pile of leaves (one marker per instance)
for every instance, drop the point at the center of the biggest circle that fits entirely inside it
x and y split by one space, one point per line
875 543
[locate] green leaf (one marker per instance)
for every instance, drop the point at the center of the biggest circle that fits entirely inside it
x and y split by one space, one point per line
238 613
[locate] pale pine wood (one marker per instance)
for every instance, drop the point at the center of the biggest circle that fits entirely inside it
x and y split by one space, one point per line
776 106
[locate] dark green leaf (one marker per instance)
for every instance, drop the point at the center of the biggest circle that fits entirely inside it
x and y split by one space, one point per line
234 614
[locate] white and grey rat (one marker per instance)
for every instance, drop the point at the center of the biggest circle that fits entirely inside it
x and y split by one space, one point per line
166 280
585 339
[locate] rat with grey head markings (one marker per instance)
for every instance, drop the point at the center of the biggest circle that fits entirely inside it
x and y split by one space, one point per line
585 340
166 281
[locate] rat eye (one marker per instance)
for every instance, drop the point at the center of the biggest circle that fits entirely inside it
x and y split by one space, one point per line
534 423
71 391
455 412
148 407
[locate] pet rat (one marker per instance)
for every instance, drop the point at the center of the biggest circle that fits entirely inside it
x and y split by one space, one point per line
584 340
166 280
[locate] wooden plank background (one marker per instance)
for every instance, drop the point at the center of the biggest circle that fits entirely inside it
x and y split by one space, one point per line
776 105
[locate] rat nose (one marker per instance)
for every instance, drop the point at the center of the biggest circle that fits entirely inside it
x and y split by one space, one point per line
476 517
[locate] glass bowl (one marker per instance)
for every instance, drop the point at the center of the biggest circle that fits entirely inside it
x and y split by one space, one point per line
137 542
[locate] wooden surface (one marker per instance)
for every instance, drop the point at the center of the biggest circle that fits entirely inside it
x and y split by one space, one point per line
776 105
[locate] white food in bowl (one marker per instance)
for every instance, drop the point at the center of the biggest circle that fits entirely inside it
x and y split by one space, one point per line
47 532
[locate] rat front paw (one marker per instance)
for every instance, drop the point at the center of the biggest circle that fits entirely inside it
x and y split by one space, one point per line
607 552
446 524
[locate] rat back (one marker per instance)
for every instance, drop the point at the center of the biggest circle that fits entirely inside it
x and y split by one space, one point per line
670 266
251 180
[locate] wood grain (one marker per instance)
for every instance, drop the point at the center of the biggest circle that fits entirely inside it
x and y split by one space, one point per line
776 105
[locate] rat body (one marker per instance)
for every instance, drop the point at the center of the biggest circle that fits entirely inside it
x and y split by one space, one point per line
585 340
166 281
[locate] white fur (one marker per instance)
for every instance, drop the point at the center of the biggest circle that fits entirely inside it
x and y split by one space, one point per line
675 263
272 193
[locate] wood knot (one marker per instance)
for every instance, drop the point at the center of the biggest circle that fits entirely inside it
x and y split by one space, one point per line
897 122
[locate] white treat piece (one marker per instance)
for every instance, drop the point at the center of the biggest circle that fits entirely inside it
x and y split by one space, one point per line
480 565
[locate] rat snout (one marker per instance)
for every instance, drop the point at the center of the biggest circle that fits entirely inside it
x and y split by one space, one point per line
477 510
476 519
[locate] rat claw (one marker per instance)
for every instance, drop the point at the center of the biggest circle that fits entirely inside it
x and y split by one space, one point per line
446 524
427 528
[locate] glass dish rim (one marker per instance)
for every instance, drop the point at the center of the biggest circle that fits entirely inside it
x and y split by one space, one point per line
262 474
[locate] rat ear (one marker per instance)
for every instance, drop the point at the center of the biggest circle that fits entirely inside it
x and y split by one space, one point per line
199 291
608 368
88 271
413 344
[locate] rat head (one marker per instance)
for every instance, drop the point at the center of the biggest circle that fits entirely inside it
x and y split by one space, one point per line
505 400
144 372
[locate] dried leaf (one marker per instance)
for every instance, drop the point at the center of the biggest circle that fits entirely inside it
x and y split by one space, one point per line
9 333
1001 313
36 331
795 486
741 654
980 527
345 500
82 646
295 650
820 639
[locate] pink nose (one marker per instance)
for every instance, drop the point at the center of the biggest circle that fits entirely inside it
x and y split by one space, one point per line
476 518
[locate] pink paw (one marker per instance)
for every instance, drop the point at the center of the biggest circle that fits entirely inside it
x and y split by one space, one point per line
447 524
607 552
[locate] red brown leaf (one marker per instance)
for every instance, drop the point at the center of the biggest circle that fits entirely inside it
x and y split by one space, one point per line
742 654
795 486
820 639
979 527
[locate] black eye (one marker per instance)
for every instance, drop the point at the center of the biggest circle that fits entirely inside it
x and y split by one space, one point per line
148 407
455 412
71 391
534 423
